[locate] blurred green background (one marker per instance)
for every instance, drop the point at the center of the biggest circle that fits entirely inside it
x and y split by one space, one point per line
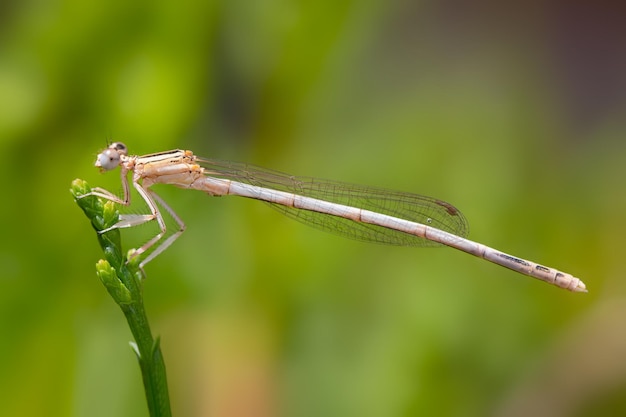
513 112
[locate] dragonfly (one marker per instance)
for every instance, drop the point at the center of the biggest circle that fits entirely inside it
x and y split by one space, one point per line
358 212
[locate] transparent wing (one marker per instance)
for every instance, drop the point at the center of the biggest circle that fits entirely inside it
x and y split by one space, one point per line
412 207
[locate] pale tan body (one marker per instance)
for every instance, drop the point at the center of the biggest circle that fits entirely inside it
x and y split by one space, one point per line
180 168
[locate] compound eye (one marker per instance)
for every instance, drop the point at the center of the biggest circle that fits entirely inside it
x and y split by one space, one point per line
119 147
108 159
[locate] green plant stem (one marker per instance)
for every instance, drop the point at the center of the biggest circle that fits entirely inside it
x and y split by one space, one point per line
124 281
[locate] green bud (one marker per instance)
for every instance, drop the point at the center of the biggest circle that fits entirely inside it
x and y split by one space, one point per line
133 264
110 214
79 187
114 286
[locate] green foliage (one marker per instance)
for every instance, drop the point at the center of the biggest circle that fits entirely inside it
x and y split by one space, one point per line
123 281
